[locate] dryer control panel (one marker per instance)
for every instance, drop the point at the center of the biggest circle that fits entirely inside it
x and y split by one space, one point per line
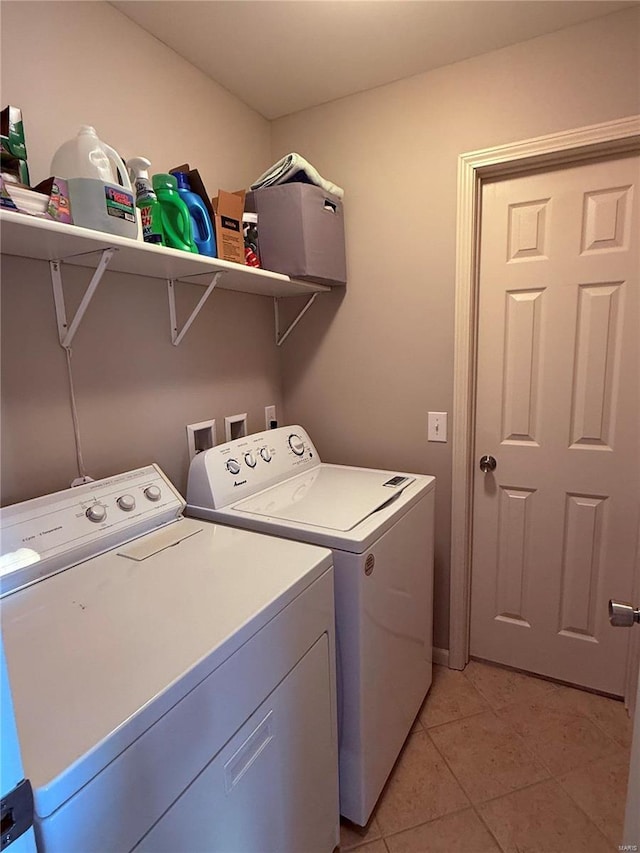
50 533
229 472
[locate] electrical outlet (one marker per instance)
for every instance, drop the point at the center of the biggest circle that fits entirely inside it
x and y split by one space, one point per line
235 426
270 419
200 437
437 426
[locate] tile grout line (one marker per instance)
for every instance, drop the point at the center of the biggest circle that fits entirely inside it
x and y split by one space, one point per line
604 732
363 841
450 769
516 791
551 777
458 719
488 828
475 806
584 812
582 768
444 814
425 822
533 784
525 748
577 713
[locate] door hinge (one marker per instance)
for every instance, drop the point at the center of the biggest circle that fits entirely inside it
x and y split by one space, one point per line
16 813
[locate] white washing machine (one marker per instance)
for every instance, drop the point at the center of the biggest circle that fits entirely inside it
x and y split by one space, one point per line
379 525
173 680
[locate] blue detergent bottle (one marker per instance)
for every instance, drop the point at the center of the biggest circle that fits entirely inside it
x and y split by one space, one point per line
203 233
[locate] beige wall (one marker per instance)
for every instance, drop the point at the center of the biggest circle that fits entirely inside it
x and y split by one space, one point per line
135 391
372 363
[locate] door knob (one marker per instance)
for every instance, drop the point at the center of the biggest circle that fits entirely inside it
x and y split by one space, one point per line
622 615
487 463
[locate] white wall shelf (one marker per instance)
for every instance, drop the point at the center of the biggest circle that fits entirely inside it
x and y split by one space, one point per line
44 240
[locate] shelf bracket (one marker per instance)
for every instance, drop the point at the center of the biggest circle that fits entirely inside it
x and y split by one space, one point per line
281 337
66 332
177 336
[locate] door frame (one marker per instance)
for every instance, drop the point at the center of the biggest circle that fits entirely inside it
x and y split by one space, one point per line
560 149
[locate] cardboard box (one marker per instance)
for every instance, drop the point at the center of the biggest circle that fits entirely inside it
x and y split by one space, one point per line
59 206
229 208
17 168
301 232
12 142
49 200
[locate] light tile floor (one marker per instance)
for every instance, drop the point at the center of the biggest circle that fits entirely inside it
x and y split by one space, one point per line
502 761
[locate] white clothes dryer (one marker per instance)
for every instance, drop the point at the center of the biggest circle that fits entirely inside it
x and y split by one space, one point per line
173 680
379 525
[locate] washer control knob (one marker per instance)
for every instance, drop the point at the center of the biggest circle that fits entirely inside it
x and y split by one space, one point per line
250 459
296 444
97 513
264 452
233 466
152 493
126 502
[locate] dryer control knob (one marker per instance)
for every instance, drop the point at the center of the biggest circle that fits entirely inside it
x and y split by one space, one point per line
296 444
264 452
97 513
152 493
250 459
126 502
233 466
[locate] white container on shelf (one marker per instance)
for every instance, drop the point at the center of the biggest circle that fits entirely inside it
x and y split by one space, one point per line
99 187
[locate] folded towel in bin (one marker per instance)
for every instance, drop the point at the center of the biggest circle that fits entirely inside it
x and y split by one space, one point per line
294 168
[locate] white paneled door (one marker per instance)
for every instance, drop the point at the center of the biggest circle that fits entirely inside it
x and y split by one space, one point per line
558 408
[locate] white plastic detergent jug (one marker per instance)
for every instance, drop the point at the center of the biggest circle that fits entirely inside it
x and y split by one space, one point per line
99 187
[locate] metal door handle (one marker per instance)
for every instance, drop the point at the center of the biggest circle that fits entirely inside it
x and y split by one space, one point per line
622 615
487 463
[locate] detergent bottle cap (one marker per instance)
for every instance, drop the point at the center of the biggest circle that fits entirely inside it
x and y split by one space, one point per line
183 180
163 181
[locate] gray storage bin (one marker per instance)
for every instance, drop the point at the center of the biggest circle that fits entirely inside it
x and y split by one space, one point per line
300 232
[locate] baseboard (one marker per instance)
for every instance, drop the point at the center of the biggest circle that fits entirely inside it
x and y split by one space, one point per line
441 657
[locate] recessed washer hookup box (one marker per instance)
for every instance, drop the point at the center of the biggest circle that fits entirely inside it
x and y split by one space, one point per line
301 230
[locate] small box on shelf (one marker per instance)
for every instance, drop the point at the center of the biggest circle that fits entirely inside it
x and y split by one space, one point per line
229 208
12 142
49 200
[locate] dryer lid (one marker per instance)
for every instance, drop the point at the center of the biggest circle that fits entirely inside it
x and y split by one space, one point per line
329 496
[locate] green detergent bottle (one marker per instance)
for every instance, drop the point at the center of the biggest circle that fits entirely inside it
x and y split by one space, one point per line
176 219
146 201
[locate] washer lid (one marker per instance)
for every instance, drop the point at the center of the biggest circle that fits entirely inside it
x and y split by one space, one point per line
329 496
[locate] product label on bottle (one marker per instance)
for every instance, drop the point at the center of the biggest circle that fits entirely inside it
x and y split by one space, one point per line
120 204
149 234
